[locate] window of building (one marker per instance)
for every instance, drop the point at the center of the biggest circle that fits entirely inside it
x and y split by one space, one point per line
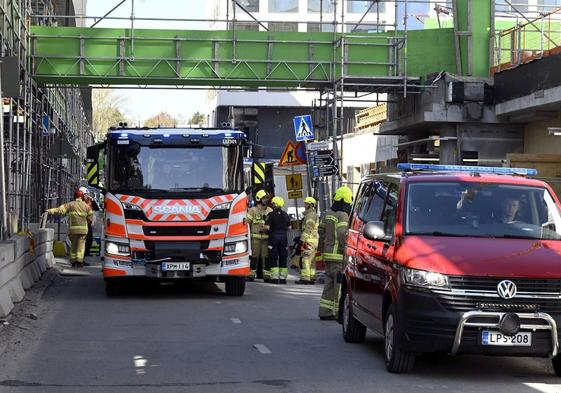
548 5
248 26
320 5
360 7
283 5
503 6
283 26
317 27
250 5
362 28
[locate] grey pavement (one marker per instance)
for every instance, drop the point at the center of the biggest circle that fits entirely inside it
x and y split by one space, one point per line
196 339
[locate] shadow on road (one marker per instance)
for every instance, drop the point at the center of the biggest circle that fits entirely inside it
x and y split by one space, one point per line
447 368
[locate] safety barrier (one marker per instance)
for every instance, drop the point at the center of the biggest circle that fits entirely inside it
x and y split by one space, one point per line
23 259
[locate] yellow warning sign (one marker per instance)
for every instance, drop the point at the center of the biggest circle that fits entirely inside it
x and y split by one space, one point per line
289 157
294 182
295 194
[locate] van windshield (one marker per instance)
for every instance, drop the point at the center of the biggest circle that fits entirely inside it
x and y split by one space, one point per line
481 210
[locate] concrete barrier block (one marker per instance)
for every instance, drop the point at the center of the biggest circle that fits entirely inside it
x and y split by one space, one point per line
16 290
20 244
35 272
41 262
50 258
6 304
26 278
39 236
7 254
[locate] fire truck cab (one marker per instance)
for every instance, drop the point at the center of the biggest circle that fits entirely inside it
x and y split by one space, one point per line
175 205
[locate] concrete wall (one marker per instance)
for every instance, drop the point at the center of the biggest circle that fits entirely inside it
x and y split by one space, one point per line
21 265
538 141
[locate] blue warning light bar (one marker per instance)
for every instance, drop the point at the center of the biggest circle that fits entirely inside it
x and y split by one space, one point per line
465 168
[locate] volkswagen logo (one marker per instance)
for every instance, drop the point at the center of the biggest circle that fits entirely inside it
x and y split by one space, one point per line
506 289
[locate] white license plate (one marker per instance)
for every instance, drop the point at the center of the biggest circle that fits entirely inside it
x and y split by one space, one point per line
174 266
522 339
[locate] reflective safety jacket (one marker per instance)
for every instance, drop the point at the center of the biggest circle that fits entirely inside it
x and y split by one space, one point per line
333 235
310 224
79 215
256 217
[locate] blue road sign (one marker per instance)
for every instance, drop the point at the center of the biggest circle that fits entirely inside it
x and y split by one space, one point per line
303 128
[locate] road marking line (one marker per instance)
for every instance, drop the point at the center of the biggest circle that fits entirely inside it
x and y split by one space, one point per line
262 348
236 320
542 387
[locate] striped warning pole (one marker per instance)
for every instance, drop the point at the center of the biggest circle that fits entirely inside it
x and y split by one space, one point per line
92 174
258 174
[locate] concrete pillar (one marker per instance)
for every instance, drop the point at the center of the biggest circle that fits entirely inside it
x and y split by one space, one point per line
448 152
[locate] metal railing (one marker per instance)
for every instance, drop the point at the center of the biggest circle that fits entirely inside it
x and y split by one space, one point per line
533 39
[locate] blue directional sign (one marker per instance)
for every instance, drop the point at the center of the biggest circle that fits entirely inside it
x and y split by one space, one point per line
303 128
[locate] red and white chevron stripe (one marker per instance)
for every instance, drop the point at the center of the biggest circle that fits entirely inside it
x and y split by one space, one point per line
176 209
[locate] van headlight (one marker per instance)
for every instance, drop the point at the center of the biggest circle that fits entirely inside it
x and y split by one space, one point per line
422 278
121 249
235 247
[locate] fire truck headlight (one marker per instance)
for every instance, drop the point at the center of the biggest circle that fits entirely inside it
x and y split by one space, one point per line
130 206
222 206
235 247
117 249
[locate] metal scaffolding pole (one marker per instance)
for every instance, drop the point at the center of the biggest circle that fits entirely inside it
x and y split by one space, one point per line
3 195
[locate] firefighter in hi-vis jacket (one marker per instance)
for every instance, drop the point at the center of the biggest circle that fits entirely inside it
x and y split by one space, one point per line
79 216
259 236
309 242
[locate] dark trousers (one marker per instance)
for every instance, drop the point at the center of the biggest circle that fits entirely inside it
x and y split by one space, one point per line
89 240
278 255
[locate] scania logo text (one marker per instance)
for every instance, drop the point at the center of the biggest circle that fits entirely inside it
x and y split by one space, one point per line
177 209
506 289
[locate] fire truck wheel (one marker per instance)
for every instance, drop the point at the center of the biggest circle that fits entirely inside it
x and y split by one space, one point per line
235 286
113 288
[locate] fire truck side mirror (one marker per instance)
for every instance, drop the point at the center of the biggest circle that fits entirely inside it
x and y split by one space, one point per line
92 152
258 151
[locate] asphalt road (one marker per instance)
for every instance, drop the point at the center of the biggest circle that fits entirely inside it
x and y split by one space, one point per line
199 340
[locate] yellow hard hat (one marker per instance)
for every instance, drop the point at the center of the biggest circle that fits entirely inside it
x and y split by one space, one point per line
278 201
310 201
260 195
344 194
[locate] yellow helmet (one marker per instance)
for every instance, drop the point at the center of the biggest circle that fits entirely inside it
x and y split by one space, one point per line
344 194
310 201
260 195
278 201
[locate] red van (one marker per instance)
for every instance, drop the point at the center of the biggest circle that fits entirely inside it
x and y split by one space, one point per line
454 259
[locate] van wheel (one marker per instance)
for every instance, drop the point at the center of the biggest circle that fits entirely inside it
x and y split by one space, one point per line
353 330
235 286
397 359
556 363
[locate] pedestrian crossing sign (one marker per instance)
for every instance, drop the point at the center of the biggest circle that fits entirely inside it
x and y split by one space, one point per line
303 128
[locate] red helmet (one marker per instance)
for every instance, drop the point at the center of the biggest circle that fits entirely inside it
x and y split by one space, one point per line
78 194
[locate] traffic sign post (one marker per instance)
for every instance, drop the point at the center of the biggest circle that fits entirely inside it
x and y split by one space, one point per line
291 156
294 182
323 163
303 128
295 195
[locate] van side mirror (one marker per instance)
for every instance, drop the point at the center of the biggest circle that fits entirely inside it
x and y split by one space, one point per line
374 230
258 151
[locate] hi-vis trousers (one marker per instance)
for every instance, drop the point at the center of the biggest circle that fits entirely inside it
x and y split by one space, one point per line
329 302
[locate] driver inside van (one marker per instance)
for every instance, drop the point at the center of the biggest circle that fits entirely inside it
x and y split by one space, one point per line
509 208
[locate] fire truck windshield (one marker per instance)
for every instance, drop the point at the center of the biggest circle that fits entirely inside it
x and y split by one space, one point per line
173 169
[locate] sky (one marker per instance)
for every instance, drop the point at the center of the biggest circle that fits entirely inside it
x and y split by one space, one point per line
141 104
